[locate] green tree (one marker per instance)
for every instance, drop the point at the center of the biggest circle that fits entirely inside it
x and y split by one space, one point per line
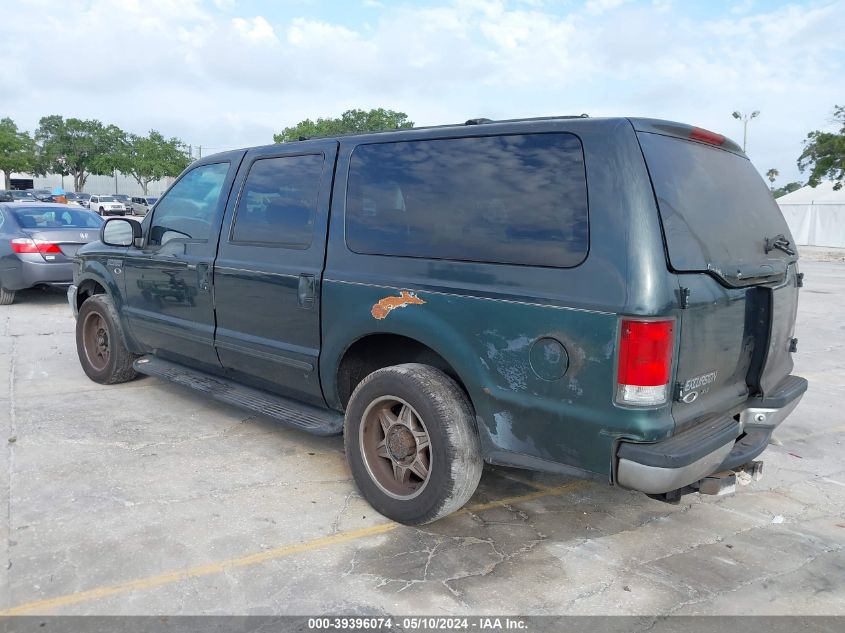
824 153
772 175
350 122
787 188
152 157
79 148
17 150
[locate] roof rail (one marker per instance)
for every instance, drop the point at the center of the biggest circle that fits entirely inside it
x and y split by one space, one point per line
476 121
483 121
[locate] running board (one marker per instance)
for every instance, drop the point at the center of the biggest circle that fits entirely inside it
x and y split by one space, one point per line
296 414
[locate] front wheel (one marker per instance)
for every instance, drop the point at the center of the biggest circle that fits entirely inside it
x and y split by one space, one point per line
99 343
7 297
411 443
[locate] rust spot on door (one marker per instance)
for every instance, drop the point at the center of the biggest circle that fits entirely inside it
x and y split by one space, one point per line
384 306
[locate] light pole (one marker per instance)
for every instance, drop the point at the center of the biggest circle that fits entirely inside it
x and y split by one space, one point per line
745 119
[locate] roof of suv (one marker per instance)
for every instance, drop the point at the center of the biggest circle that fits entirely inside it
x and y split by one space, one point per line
656 126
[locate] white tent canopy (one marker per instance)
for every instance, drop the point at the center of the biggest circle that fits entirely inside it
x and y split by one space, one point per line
816 215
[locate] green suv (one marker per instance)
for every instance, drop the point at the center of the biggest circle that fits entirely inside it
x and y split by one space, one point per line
611 298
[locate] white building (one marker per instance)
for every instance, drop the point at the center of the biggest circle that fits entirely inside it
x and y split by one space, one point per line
118 183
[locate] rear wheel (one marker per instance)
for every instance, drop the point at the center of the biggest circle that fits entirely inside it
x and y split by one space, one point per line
7 297
99 343
411 443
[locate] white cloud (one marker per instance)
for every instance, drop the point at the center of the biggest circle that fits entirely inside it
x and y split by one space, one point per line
211 73
601 6
258 29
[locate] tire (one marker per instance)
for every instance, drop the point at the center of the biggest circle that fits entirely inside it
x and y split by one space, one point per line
99 343
389 416
102 211
7 297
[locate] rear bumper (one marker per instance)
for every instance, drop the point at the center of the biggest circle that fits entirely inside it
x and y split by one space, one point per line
31 273
712 446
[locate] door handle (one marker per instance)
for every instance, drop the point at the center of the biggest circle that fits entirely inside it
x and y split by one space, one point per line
203 281
307 291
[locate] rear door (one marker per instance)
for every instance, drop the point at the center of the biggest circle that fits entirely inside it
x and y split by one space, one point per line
720 223
268 272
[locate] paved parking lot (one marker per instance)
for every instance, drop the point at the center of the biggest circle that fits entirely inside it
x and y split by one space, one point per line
145 498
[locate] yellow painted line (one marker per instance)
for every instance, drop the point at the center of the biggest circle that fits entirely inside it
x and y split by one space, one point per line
151 582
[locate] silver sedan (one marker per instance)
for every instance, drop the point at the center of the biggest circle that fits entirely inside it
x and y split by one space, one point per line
38 242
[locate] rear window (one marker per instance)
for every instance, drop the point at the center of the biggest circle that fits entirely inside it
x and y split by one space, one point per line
52 218
516 199
716 209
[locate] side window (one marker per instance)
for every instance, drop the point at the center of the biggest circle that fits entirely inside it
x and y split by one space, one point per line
188 209
515 199
279 201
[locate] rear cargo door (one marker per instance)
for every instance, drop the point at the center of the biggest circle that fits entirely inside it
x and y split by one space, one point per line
727 241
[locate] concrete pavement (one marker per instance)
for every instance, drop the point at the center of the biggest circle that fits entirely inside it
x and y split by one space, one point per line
145 498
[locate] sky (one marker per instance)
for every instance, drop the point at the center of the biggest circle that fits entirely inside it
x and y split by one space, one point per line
230 73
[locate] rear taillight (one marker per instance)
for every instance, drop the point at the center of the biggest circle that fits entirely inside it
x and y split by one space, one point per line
706 136
645 362
27 245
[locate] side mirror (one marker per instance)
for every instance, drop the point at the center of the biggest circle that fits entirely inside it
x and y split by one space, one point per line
120 232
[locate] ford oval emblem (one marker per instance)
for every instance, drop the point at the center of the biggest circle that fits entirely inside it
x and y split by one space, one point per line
690 397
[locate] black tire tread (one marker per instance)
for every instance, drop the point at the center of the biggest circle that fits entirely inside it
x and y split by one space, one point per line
7 297
464 448
121 358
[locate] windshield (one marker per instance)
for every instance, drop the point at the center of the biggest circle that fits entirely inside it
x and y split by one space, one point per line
121 197
716 210
53 218
20 195
107 199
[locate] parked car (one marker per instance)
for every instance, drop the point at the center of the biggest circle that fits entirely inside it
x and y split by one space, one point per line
610 297
106 205
124 199
38 242
73 198
22 196
84 199
44 195
6 196
140 205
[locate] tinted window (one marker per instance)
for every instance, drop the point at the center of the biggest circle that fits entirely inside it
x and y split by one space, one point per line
519 199
715 207
279 201
52 218
188 209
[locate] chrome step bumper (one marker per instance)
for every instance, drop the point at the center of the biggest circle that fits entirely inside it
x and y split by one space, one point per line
710 447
